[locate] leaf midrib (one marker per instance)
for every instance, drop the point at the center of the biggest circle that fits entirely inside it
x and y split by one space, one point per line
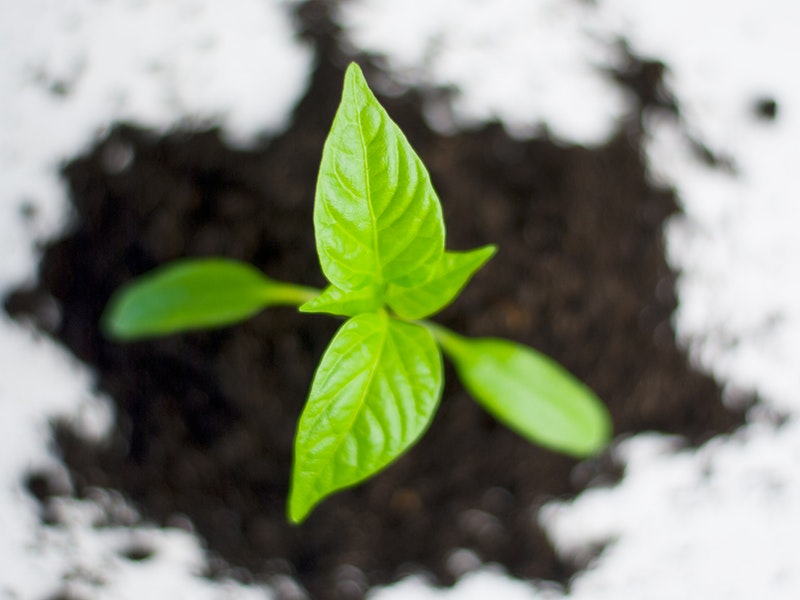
361 401
372 217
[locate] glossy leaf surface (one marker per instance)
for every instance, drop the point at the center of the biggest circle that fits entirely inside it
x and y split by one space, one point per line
377 218
194 294
449 277
336 301
529 392
373 395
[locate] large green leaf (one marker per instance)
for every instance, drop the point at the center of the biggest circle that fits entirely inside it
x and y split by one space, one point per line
376 215
529 392
373 395
194 294
451 274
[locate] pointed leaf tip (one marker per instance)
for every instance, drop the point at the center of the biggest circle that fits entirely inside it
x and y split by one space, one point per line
377 218
448 278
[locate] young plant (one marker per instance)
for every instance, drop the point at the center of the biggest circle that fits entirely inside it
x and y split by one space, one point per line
380 238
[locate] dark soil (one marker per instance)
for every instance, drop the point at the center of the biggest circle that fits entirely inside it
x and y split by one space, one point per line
205 421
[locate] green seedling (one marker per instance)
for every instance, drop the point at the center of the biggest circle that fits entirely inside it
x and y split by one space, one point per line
380 238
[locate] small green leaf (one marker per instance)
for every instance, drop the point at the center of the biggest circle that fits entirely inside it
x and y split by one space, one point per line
449 277
529 392
376 215
194 294
373 395
347 304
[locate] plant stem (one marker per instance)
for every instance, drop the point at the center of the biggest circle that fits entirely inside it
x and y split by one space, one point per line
450 341
289 294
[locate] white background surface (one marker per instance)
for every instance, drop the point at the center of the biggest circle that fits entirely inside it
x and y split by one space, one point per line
719 522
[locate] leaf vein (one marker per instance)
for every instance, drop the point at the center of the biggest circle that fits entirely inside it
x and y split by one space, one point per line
368 183
361 401
341 225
